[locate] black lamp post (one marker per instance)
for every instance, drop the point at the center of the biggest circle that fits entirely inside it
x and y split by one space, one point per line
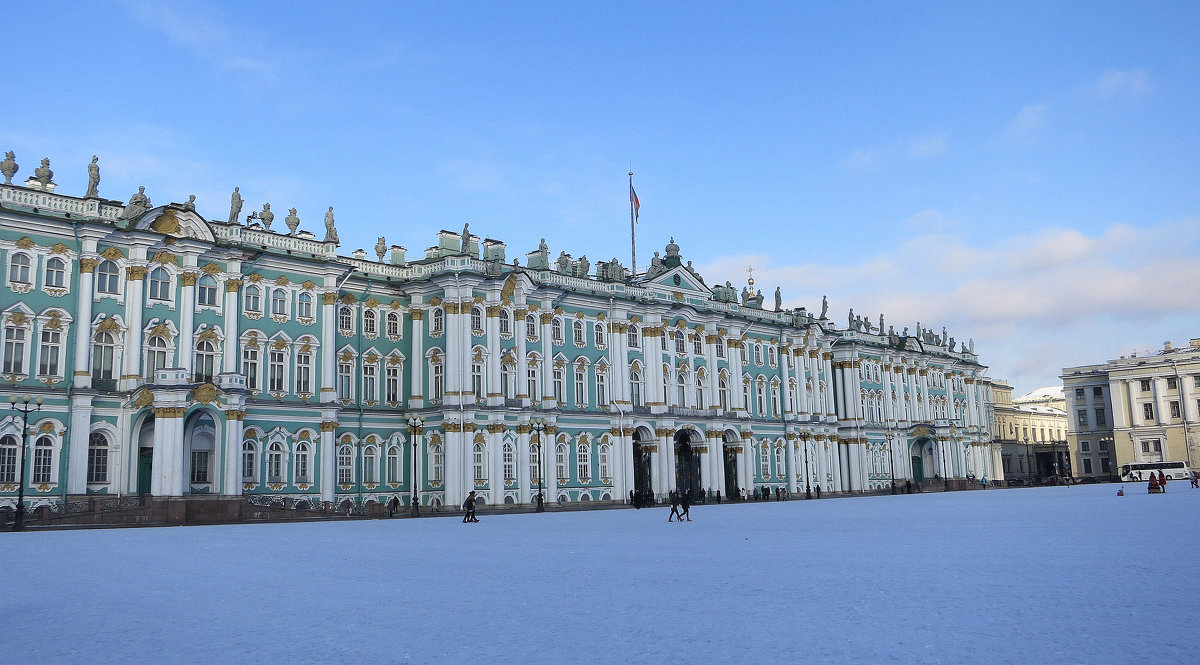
24 408
414 429
891 462
1029 457
538 426
945 471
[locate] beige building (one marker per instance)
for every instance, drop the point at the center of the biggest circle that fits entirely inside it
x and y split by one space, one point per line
1134 410
1031 433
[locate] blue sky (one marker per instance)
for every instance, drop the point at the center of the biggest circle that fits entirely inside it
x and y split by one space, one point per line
1025 174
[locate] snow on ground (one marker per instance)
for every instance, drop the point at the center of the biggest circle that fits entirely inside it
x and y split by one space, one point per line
1047 575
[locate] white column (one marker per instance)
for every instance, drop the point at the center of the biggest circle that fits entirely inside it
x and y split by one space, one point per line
329 362
232 314
131 375
521 367
186 347
167 479
496 471
495 391
524 481
802 404
328 452
549 463
827 371
791 462
231 475
737 395
80 432
416 397
547 397
83 323
889 412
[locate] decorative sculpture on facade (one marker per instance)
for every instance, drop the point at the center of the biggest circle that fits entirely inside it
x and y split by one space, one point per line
190 205
824 307
330 232
93 178
266 216
9 167
381 248
138 204
235 206
43 174
292 220
778 300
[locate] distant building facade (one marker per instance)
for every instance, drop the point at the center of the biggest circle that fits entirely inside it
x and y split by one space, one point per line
1135 409
186 357
1031 434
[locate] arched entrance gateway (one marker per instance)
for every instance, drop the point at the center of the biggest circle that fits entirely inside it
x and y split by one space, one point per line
687 463
921 454
643 449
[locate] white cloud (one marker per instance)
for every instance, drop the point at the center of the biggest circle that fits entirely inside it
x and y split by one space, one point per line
1025 125
1133 82
205 36
861 160
1034 303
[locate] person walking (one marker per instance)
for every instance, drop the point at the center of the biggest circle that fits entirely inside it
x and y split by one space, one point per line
1162 480
684 503
469 508
674 496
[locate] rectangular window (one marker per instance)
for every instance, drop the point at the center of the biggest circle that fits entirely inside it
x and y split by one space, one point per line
1175 409
1172 384
1087 465
250 368
1079 393
200 467
1105 465
304 373
1148 411
580 379
275 371
1083 419
1101 418
1145 385
1085 447
1103 446
392 391
345 384
1196 381
14 350
49 353
1097 391
601 389
8 462
370 372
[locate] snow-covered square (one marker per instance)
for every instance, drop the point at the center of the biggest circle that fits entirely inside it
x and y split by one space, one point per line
1048 575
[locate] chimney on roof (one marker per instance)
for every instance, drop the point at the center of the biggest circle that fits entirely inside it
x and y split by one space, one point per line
1166 346
1196 343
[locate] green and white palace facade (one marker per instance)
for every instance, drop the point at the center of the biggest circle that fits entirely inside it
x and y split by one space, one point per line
180 356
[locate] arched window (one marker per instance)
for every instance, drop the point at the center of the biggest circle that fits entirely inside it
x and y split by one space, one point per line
107 277
598 328
249 461
103 356
605 461
160 284
764 460
601 387
370 464
43 454
581 400
345 471
771 355
577 332
253 300
56 272
275 463
510 463
531 327
775 410
556 331
558 380
700 403
679 347
97 464
477 320
633 337
477 381
370 322
531 378
393 325
156 355
437 379
635 388
535 463
583 461
560 462
206 361
697 345
8 459
758 354
720 347
304 306
302 462
206 291
18 269
478 462
393 465
436 462
508 378
505 322
746 394
760 397
723 387
780 467
439 321
345 319
681 388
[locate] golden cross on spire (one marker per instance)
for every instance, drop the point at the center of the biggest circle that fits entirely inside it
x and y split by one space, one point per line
750 269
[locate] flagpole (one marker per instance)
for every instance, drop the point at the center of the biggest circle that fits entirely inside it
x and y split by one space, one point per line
632 221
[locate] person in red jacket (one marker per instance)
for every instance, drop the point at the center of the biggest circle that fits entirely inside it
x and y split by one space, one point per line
1152 487
1162 480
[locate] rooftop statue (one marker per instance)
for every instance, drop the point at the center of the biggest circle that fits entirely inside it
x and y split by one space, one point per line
9 167
778 300
466 238
564 263
824 307
381 248
138 204
881 322
266 216
330 232
852 320
43 174
190 205
584 265
292 220
235 206
93 179
542 246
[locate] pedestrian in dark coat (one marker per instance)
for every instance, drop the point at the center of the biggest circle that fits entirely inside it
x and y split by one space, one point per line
469 508
1162 480
674 496
684 503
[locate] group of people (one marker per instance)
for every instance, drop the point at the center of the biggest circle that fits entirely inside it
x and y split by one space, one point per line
1157 484
680 503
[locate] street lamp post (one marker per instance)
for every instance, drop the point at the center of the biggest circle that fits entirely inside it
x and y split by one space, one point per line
807 486
891 462
945 471
538 426
1029 458
414 430
24 409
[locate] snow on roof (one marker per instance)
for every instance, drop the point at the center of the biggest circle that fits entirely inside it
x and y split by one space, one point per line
1049 392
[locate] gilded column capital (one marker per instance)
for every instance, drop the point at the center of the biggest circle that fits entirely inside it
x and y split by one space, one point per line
232 285
328 298
88 265
235 414
495 428
546 317
329 426
416 314
493 311
189 278
169 411
135 273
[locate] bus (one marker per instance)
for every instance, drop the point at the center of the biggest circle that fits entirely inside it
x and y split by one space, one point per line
1142 471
